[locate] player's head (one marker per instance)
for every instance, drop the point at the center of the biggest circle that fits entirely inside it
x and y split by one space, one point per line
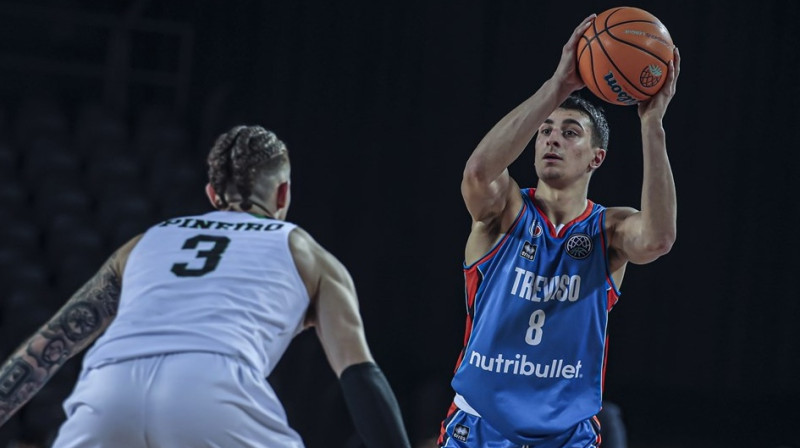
248 166
571 143
595 114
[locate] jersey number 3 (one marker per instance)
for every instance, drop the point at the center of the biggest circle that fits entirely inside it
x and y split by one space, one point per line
211 255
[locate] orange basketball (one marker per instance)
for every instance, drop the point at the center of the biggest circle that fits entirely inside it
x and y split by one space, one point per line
623 56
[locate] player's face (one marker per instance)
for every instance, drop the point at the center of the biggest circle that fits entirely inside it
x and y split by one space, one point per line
563 146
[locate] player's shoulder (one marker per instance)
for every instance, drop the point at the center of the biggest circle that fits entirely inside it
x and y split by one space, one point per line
620 211
311 259
119 259
615 215
305 248
300 239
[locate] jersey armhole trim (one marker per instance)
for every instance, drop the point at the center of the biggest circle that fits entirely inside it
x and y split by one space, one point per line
613 291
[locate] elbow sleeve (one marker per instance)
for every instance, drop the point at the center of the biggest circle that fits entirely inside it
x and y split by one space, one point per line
373 406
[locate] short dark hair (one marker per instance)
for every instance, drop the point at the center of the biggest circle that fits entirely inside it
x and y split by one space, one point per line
596 115
237 156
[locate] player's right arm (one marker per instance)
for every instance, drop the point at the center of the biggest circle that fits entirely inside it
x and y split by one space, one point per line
71 329
335 315
490 194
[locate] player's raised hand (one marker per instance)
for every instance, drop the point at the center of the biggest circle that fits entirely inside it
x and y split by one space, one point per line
656 106
567 71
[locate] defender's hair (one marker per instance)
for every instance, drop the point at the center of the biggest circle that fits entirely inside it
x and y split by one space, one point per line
241 154
596 115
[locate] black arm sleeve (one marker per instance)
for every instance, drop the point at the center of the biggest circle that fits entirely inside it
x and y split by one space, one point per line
373 406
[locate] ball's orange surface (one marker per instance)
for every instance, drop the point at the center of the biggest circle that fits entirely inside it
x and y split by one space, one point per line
624 55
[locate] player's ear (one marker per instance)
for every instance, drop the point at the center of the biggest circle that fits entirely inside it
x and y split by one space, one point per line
212 196
282 195
599 157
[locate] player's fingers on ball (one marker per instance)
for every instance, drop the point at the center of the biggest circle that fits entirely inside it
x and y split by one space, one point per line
584 24
672 74
675 69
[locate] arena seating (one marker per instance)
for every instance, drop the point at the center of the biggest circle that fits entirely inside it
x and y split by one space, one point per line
76 182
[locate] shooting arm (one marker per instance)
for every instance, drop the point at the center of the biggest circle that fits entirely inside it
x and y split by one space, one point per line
643 236
486 186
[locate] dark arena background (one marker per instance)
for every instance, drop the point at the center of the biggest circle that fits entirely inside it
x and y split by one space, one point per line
108 108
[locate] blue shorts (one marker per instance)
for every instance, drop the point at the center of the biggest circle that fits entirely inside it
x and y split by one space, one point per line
463 430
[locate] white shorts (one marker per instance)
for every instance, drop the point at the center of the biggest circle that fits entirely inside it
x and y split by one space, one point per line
187 400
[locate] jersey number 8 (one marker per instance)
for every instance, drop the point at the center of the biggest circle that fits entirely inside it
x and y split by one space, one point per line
534 334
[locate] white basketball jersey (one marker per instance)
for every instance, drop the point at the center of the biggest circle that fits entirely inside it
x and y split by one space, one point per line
222 282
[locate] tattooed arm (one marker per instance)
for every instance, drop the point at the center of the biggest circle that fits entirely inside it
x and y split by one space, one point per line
76 325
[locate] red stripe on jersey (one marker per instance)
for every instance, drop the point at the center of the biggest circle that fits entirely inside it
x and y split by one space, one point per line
599 440
611 296
443 431
472 282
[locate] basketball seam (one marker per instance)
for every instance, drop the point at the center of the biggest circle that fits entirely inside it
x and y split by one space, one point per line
619 72
594 26
605 30
608 30
591 64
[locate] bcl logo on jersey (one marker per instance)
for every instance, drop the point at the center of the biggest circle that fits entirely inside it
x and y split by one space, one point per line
579 246
528 251
461 432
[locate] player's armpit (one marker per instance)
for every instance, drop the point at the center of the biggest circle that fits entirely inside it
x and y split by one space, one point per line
487 200
490 221
628 239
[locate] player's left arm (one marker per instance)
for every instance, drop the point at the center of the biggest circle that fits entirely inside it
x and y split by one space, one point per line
334 311
642 236
71 329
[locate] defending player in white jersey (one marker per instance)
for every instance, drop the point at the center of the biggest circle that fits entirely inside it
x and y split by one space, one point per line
195 313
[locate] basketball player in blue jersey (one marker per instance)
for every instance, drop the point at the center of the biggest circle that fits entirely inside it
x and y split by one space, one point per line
543 267
189 318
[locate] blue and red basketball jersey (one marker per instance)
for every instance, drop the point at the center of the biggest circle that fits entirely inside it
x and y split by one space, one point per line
537 306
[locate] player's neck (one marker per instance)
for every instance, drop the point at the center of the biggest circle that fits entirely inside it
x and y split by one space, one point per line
560 205
255 209
260 210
